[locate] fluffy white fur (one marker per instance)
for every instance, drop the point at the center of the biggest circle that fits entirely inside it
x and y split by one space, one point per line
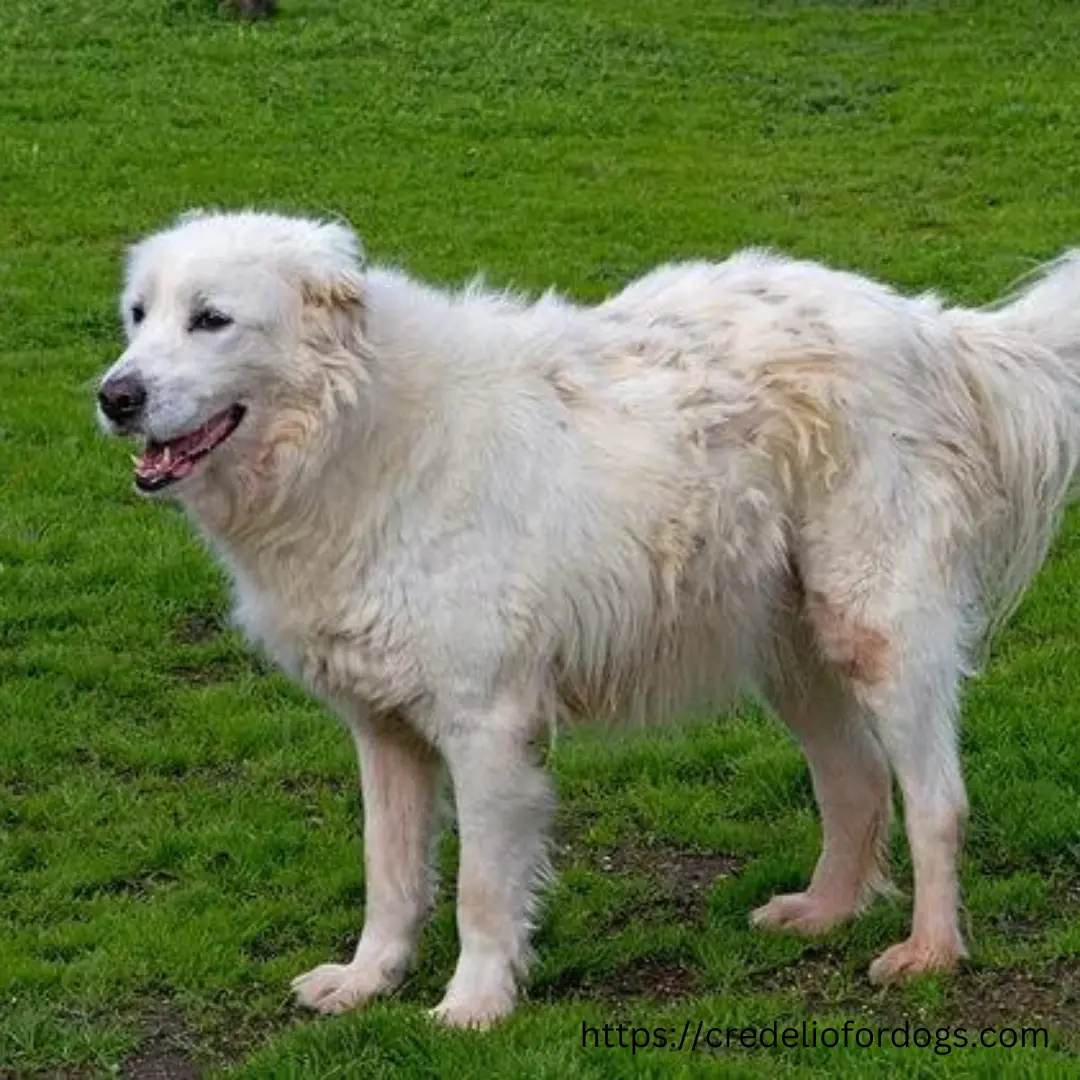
459 518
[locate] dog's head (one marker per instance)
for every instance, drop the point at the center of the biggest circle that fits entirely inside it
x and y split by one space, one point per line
234 322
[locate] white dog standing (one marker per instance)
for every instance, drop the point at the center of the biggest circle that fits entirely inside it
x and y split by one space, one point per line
458 518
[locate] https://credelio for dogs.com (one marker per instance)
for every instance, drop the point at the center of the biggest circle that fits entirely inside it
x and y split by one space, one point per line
807 1035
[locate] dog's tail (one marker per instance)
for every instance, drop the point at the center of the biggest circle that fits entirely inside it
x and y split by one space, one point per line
1046 306
1021 363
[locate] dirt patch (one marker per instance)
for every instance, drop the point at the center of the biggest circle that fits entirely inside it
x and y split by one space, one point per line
656 980
160 1066
218 669
1016 927
138 886
983 997
284 934
309 783
819 982
17 786
165 1053
1001 997
680 879
198 628
683 876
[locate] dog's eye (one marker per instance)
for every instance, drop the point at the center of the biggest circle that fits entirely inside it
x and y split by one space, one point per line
210 320
138 313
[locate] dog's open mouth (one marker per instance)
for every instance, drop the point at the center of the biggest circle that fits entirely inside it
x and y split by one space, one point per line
163 463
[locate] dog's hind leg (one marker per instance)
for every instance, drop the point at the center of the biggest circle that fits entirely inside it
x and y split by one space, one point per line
899 649
851 781
399 781
916 721
504 806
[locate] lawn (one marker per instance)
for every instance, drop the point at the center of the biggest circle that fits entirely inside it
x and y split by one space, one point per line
178 824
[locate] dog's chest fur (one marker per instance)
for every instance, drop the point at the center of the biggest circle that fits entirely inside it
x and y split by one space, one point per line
342 652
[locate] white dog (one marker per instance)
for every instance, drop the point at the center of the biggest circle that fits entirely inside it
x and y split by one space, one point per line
458 518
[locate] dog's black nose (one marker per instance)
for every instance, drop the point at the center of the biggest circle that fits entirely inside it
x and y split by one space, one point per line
122 399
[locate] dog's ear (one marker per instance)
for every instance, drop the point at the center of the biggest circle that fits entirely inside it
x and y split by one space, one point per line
333 278
332 282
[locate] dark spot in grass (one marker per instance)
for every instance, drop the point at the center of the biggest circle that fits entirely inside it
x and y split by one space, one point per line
138 886
165 1053
17 787
61 954
351 896
1001 996
83 755
218 669
655 979
198 628
307 783
220 860
983 997
817 979
840 98
1016 927
682 875
250 9
24 857
167 1065
282 935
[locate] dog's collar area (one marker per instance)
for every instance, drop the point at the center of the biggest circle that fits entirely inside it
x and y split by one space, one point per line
163 463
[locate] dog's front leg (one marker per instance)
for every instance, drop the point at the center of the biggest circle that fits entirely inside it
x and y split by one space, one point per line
504 807
399 779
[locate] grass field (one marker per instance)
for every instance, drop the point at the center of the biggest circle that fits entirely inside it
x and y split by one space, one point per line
178 825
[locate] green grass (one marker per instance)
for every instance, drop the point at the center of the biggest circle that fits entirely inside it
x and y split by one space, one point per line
178 826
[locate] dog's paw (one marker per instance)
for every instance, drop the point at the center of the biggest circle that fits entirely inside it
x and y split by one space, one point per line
474 1012
913 957
482 991
337 988
801 913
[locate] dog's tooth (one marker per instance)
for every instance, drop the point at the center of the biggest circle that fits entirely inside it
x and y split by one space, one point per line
166 456
136 460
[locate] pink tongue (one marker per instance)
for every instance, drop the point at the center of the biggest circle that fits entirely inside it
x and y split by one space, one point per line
153 462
